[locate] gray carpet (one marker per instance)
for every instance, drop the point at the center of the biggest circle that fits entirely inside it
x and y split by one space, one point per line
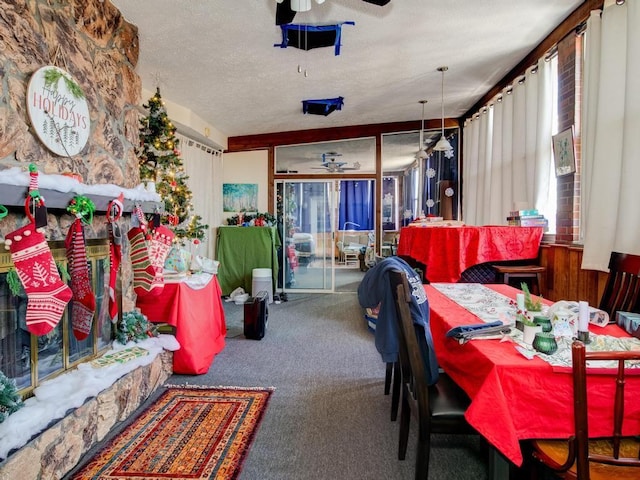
328 417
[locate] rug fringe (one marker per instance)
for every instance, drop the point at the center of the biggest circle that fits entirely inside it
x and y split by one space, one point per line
226 387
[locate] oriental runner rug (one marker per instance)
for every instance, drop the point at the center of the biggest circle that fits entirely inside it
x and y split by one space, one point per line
189 432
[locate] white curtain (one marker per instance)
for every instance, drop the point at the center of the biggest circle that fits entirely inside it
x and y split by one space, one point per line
203 164
611 134
508 154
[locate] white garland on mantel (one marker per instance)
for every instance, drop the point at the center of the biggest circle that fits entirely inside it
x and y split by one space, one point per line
62 183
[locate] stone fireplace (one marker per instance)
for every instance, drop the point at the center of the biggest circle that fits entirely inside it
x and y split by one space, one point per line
92 41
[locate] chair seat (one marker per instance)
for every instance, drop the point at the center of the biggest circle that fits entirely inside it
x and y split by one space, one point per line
557 451
520 269
508 273
447 399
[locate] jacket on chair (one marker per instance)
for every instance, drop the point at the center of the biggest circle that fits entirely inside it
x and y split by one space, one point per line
375 289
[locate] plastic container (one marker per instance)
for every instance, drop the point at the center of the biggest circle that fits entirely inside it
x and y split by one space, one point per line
262 280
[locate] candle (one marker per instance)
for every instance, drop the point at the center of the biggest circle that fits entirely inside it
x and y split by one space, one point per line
520 301
583 316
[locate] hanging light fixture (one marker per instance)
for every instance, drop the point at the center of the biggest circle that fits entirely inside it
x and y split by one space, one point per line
422 153
443 144
301 5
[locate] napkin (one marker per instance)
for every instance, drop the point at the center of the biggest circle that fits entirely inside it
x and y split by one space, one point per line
467 332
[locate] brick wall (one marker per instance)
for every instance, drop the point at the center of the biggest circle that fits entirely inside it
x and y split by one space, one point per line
569 84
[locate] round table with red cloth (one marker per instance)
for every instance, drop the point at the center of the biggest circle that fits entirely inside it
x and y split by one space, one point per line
449 251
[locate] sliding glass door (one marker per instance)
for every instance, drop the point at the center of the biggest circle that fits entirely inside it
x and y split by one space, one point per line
305 216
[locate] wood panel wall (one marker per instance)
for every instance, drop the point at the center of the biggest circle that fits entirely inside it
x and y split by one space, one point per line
565 280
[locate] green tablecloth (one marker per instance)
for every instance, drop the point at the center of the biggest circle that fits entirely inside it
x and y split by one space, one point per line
241 249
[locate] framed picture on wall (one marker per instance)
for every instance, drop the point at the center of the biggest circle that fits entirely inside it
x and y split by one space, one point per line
564 153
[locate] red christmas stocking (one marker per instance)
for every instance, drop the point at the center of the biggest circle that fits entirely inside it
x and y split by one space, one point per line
144 272
161 240
84 301
114 212
47 294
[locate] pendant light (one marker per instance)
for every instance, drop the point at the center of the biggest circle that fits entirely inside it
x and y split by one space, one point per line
443 144
422 153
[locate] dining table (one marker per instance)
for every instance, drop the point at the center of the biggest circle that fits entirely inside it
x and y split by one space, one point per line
513 397
448 251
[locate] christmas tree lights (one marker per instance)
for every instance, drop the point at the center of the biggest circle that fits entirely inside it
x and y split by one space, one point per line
160 162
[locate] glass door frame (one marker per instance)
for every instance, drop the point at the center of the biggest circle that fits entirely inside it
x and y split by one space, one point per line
327 251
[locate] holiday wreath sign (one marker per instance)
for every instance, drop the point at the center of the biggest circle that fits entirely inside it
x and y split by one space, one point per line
58 111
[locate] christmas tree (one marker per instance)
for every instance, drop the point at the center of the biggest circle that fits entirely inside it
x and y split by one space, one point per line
160 162
10 401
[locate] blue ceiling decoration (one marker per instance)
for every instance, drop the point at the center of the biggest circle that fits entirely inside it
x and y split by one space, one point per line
323 106
306 37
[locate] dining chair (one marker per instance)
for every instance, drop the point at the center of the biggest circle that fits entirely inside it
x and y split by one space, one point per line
585 458
439 408
622 290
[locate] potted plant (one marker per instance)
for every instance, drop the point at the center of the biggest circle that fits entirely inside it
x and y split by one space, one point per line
529 327
530 304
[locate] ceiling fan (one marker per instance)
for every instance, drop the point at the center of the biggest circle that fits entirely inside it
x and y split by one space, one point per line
330 164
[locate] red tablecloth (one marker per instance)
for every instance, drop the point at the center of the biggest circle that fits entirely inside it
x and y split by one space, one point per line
197 315
449 251
513 398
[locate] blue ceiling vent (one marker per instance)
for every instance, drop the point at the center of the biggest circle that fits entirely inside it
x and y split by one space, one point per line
306 37
322 107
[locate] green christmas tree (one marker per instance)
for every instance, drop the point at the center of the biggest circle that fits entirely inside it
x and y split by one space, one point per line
160 162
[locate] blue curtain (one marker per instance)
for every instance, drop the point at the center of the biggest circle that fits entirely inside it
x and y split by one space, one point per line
356 205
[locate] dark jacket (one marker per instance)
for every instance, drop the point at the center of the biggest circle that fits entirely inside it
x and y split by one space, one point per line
375 289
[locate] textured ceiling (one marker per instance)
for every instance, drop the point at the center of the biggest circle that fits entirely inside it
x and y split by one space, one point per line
217 57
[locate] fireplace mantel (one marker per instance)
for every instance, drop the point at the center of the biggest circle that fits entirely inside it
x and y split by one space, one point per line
14 196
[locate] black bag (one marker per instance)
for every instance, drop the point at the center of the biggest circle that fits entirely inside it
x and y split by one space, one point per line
256 316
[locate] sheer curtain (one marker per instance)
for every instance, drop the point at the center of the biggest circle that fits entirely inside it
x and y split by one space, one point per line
508 158
611 139
203 164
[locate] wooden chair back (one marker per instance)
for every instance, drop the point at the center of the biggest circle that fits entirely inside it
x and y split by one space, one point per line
619 453
439 408
411 360
622 291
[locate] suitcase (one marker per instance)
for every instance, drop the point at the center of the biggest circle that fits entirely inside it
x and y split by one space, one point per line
256 315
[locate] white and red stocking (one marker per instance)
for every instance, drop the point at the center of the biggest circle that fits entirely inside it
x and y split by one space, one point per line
143 271
47 294
84 300
161 239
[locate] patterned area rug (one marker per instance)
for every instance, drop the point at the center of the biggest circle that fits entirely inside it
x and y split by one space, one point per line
188 433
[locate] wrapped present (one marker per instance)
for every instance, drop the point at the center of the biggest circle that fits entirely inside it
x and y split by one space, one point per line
178 260
630 322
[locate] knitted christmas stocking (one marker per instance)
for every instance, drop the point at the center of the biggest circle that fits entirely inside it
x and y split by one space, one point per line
84 300
161 240
144 272
115 252
47 294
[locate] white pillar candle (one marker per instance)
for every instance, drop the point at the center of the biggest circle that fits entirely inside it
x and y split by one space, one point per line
583 316
520 301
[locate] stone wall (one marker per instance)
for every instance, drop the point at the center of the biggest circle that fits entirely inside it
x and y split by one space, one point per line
91 40
58 449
